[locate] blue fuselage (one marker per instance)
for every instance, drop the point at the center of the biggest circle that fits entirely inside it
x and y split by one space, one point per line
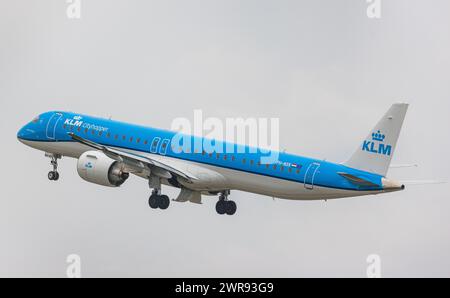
307 172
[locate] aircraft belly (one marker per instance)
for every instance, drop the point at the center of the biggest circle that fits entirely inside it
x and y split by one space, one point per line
281 188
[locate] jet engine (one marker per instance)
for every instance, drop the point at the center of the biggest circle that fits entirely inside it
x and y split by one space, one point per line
96 167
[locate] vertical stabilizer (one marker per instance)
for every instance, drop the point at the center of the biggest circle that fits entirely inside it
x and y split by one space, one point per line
375 152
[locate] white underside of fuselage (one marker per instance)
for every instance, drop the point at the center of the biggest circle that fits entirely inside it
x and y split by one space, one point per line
215 178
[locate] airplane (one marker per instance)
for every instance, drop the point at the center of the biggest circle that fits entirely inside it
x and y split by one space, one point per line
109 151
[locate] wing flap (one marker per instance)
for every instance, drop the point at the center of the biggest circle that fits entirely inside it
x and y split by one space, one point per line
189 195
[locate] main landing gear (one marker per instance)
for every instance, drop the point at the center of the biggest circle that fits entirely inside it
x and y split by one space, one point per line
225 206
53 175
157 200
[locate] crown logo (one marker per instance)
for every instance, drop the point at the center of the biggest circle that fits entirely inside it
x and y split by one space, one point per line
378 136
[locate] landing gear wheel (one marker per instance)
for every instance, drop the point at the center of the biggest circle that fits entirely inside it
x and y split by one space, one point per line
153 201
221 207
164 202
51 175
231 207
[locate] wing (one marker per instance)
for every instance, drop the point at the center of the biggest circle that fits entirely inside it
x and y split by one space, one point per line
137 163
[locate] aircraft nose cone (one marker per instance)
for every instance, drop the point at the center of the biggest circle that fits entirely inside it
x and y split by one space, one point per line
23 133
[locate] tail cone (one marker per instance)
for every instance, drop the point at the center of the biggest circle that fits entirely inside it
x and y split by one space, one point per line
391 185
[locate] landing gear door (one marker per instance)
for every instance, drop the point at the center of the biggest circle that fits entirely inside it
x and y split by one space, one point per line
310 175
51 125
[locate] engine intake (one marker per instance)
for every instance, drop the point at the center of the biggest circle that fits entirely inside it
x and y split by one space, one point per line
96 167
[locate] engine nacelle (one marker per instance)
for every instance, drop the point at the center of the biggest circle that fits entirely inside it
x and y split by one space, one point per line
96 167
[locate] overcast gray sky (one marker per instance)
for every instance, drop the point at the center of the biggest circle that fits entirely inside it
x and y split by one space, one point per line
323 67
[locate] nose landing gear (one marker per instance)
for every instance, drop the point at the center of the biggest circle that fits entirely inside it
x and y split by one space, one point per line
53 175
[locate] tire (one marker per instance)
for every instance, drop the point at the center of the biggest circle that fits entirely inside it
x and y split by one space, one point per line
164 202
221 207
231 207
56 178
153 201
51 175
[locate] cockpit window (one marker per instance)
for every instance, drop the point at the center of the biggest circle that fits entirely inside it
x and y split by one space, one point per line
36 119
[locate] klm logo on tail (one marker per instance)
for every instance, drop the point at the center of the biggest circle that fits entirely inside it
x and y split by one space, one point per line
376 145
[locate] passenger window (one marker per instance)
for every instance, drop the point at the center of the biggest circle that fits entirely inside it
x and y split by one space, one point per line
116 137
251 162
138 140
146 142
243 160
124 138
108 135
225 157
131 139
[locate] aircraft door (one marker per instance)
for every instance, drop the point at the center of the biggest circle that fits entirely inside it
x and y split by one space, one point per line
310 175
51 125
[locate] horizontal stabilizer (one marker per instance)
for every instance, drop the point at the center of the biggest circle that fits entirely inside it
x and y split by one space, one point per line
357 180
403 166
